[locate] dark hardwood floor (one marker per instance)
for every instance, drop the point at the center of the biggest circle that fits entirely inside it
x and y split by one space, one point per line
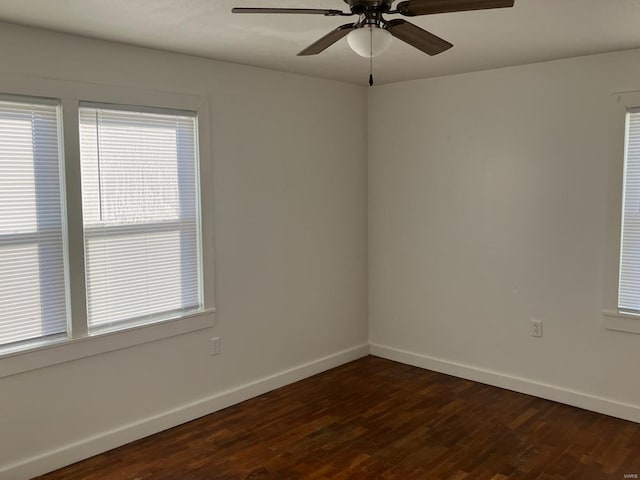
377 419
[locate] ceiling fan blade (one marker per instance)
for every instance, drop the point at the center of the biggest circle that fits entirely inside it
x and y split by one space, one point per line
328 40
313 11
417 37
412 8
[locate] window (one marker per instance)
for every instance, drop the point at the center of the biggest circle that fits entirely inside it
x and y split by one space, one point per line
621 269
100 225
32 273
140 209
629 283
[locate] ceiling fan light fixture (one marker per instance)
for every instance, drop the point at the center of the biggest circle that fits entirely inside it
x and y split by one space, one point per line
369 41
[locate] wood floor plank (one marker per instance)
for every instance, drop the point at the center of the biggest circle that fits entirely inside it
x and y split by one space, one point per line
374 419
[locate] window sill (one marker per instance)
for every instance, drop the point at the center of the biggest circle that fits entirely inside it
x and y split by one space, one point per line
621 322
66 350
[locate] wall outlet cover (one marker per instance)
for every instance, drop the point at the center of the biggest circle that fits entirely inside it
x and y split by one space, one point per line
215 346
536 328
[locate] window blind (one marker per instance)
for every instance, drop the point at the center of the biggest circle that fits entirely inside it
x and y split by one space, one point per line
629 282
32 274
141 214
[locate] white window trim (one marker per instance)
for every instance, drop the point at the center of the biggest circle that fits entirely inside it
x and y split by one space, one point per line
612 318
83 344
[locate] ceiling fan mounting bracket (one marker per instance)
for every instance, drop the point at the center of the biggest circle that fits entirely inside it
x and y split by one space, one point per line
369 8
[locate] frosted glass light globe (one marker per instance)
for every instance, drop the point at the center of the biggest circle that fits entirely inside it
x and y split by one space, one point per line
369 41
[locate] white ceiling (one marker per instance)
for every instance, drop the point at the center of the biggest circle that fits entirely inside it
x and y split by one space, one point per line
532 31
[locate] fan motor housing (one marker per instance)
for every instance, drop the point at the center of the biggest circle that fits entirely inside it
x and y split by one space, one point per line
360 6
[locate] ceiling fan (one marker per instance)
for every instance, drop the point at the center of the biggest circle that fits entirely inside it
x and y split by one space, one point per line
370 34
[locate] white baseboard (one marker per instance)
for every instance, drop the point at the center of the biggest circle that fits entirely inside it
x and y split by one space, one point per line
104 441
530 387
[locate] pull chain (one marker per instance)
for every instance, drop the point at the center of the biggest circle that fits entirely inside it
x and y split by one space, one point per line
371 57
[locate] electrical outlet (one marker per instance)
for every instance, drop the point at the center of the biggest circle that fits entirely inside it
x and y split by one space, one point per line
215 346
536 328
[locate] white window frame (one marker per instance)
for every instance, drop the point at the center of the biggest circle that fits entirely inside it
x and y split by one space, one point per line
613 318
149 227
81 343
33 237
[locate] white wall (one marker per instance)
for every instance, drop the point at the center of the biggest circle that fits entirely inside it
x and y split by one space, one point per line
488 197
289 214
